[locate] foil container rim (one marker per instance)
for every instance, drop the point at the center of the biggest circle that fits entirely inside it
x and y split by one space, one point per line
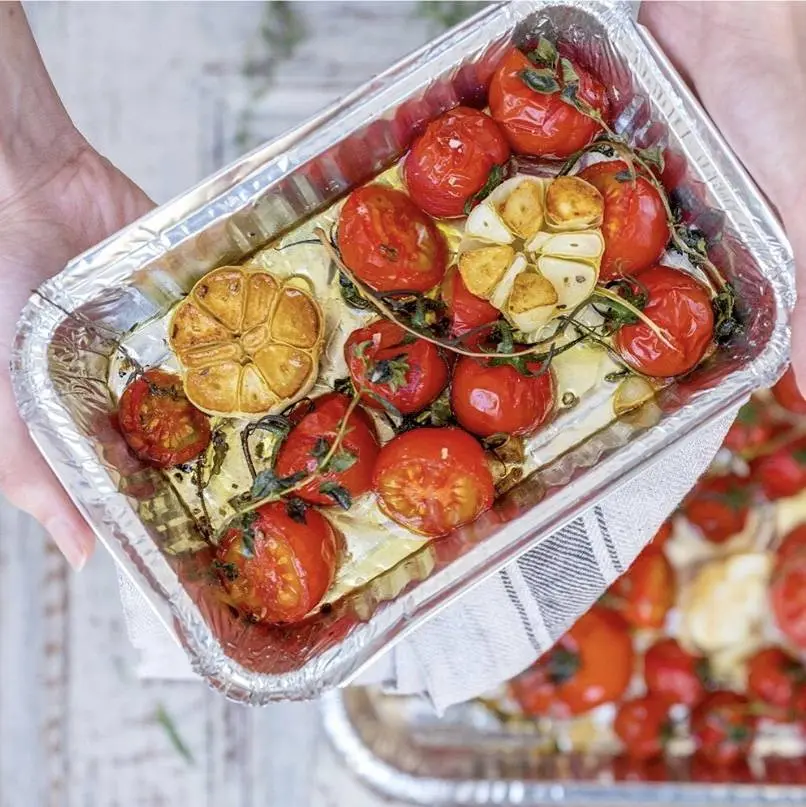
242 182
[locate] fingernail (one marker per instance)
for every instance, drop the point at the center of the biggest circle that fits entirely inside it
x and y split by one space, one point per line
69 542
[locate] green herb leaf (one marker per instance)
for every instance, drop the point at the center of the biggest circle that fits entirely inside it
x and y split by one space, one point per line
652 156
164 720
727 321
360 349
496 176
227 569
248 536
295 509
504 332
618 375
220 449
320 448
344 386
624 176
390 408
341 461
542 81
267 483
338 493
350 293
391 372
438 414
418 319
568 73
544 55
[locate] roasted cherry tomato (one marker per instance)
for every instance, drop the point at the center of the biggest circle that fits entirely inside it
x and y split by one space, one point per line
433 480
792 545
663 534
542 123
590 665
310 440
627 769
498 399
674 674
704 769
680 306
635 226
783 472
788 598
785 770
750 430
643 725
276 563
159 423
389 242
723 727
465 309
719 506
787 394
407 374
774 677
452 161
646 592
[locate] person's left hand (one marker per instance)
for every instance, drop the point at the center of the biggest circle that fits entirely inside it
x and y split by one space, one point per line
52 208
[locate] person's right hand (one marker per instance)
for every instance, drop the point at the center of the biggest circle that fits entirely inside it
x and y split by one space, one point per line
745 62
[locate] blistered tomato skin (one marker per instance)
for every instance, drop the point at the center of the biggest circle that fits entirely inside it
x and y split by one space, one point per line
488 399
642 724
283 568
433 481
681 306
723 726
773 676
159 423
466 310
783 472
417 371
541 124
452 161
357 451
388 242
590 665
719 506
635 227
788 598
672 673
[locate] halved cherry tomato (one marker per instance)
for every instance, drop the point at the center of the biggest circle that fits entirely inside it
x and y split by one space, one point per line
787 394
408 373
590 665
643 725
635 227
674 674
681 307
792 545
465 309
719 506
277 564
542 123
750 430
663 534
159 423
451 162
309 441
783 472
433 480
389 242
646 592
773 676
492 399
788 598
723 726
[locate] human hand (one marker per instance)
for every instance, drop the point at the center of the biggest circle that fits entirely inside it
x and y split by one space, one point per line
744 60
58 197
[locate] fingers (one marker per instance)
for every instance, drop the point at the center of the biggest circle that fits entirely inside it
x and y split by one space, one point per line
31 486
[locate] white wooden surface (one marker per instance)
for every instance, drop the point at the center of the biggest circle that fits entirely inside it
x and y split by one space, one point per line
160 89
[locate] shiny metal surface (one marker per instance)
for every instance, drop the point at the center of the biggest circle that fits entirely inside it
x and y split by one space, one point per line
61 363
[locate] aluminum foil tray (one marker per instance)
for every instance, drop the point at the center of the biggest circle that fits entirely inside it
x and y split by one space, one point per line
67 344
400 749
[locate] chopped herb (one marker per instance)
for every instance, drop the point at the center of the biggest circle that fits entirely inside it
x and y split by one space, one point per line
248 533
341 461
350 293
339 494
320 448
438 414
390 408
220 449
344 386
267 482
570 400
227 569
653 156
388 252
569 74
163 719
625 175
418 318
727 321
618 375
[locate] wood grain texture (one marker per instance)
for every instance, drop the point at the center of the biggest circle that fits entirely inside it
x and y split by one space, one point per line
160 89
